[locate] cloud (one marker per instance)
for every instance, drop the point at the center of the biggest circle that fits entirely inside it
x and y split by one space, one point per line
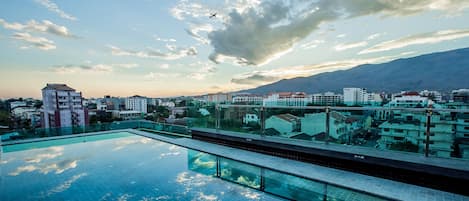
346 46
185 9
374 36
164 66
65 185
164 39
44 26
51 6
34 41
172 53
205 69
426 38
58 168
195 32
258 34
256 78
66 69
25 30
312 44
341 35
155 76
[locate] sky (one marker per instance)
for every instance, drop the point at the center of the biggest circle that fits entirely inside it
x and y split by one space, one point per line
162 48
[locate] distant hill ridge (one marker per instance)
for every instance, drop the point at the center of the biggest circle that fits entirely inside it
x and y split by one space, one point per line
442 71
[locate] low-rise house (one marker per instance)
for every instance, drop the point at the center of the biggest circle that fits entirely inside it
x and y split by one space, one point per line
251 118
341 127
285 124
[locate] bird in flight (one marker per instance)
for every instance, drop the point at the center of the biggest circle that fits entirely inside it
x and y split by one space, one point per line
212 15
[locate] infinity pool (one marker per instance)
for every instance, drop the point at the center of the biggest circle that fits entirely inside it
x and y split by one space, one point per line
124 166
118 166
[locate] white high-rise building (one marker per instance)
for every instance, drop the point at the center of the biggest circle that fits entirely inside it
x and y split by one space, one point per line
355 96
327 98
287 99
136 103
63 107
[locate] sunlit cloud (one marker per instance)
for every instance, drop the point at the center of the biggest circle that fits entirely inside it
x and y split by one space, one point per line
106 68
346 46
51 6
419 39
185 9
34 41
255 34
172 53
374 36
312 44
204 69
44 26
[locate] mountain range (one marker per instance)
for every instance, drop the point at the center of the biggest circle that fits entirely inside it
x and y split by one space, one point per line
441 71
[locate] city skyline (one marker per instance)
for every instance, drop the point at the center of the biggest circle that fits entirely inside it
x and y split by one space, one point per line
172 48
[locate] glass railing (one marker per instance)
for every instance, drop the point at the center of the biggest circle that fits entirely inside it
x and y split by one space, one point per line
271 181
21 134
425 131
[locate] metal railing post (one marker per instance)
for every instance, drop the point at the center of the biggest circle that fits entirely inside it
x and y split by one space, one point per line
262 121
427 133
327 124
217 114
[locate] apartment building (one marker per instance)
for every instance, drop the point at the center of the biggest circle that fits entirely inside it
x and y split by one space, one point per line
63 107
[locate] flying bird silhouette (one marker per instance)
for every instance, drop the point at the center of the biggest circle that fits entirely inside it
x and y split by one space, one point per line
212 15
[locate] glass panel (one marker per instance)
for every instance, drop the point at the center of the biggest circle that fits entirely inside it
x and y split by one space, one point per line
296 123
449 134
379 128
357 126
292 187
202 117
240 173
202 162
241 119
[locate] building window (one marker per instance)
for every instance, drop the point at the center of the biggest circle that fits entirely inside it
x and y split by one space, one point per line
386 129
466 135
466 128
399 130
398 138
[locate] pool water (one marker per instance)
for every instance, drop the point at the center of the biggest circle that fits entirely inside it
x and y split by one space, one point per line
118 166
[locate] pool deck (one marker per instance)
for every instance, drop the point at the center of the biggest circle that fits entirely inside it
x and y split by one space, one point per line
373 185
